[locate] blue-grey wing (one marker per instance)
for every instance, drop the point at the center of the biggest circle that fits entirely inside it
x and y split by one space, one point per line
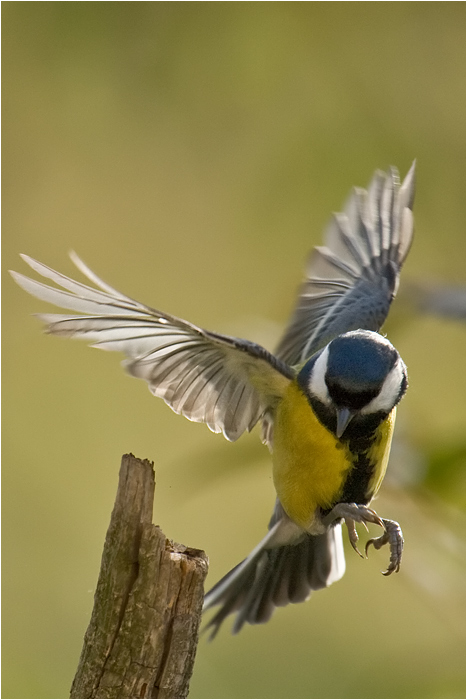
225 382
352 280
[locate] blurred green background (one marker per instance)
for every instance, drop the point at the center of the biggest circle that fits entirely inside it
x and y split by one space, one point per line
191 153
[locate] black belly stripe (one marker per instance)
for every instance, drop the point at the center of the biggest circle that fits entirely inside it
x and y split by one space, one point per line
356 486
360 436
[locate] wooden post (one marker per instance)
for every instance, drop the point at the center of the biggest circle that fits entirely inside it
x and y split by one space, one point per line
142 637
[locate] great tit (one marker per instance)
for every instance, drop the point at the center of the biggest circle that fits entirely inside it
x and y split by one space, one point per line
326 398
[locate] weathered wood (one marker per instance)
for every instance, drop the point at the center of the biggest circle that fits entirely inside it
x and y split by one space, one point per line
142 637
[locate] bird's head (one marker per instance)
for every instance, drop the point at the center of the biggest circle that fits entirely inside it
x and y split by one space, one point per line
354 382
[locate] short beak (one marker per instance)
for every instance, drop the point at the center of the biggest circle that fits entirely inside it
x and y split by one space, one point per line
344 416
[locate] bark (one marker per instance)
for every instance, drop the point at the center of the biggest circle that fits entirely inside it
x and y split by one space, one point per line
142 637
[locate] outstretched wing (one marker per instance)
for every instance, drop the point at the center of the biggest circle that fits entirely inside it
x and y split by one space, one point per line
224 382
352 281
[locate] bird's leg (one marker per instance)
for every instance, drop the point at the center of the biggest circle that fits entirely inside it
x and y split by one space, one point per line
353 513
392 536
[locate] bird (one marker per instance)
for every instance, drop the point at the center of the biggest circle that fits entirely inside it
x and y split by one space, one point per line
326 399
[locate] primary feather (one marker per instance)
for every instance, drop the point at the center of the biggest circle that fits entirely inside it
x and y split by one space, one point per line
224 382
352 281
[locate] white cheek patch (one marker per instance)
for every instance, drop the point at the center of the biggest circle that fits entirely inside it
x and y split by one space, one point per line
387 397
316 383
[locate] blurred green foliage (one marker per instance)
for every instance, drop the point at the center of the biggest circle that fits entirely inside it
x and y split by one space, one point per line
192 153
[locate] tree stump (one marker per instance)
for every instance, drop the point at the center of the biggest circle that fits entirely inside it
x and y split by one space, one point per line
142 638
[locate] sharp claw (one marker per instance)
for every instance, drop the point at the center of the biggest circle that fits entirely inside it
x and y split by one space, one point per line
393 568
356 549
377 520
352 513
377 542
353 536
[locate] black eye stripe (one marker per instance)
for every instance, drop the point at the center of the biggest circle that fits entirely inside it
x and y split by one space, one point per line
352 399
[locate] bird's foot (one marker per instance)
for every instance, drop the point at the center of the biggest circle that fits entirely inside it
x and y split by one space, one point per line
353 513
392 536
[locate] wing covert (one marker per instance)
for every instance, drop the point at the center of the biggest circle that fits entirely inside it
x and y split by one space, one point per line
224 382
352 280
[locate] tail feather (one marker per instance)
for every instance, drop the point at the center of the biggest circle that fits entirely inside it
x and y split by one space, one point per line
274 577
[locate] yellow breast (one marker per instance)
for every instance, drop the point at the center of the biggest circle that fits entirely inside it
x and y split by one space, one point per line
310 465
